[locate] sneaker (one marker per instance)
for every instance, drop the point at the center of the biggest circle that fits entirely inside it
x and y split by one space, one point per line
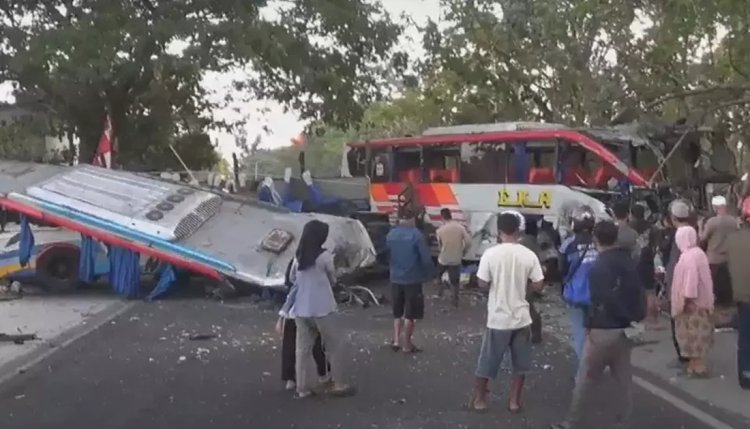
290 385
325 379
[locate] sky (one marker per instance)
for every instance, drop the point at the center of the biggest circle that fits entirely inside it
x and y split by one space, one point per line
283 125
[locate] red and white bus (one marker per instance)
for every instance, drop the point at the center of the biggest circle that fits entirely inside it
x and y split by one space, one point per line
476 171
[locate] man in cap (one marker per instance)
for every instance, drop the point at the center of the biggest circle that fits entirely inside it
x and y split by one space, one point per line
715 236
410 266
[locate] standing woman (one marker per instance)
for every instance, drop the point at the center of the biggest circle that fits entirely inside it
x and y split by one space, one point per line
287 329
315 309
692 299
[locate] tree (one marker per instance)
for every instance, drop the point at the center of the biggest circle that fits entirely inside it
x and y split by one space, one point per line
580 62
143 61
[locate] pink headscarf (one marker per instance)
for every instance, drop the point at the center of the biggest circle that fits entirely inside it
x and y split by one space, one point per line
692 274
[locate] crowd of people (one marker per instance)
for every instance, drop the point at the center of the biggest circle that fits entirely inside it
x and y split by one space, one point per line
612 275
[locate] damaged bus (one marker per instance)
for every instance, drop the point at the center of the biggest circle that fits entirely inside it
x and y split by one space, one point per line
235 241
542 170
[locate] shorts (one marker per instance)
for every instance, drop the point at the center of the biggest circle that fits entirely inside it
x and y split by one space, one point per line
496 343
408 301
454 273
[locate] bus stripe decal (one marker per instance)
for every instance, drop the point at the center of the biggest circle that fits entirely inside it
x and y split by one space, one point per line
444 194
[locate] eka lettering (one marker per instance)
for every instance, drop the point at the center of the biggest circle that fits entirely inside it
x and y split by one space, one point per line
522 199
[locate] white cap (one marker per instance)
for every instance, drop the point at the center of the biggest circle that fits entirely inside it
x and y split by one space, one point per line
718 201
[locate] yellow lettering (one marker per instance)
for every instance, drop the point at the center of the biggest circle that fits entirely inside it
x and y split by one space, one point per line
524 200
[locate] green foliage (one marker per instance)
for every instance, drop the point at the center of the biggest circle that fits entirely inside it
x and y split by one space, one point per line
23 140
84 58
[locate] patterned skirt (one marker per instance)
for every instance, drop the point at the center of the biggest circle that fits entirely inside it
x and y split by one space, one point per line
694 330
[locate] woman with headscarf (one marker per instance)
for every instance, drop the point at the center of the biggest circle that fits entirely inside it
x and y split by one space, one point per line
692 300
286 328
315 307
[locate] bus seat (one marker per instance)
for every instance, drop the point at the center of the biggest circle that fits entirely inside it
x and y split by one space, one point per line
444 175
541 176
411 176
576 176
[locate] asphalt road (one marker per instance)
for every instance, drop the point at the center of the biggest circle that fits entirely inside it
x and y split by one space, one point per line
141 371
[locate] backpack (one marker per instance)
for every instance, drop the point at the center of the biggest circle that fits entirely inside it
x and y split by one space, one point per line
576 287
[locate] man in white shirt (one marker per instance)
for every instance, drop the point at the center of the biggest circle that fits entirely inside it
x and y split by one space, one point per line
507 269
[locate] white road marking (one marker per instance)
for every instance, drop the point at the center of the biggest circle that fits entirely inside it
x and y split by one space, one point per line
683 406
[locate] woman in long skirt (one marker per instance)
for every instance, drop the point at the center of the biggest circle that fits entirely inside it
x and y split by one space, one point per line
692 301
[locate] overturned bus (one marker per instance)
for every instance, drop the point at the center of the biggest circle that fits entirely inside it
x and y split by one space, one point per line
228 239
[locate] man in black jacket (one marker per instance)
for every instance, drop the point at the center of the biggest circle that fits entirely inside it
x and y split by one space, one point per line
617 300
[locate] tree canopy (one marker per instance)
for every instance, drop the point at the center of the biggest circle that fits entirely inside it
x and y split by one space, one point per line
143 61
575 62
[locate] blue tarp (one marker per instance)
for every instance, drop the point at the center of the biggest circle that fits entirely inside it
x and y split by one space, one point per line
26 242
87 265
124 271
167 279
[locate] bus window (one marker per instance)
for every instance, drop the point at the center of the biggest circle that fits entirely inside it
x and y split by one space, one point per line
484 162
356 161
441 163
543 161
380 168
573 165
407 164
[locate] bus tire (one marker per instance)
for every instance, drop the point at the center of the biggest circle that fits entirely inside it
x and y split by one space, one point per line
57 267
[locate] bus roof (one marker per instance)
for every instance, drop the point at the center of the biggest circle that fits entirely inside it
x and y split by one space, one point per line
491 128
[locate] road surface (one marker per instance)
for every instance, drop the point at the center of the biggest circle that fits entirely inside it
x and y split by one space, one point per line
142 371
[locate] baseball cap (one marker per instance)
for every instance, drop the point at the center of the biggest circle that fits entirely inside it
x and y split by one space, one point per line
718 201
679 209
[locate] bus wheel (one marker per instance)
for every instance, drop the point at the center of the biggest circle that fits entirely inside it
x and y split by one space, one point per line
57 268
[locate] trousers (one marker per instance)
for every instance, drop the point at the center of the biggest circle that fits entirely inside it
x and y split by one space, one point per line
308 329
603 348
289 350
743 344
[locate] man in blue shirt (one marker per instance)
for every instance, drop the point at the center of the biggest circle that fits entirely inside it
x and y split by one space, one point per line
410 266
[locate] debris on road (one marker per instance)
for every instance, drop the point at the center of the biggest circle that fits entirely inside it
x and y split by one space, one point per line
17 338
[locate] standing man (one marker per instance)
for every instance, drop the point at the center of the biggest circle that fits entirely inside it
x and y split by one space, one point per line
715 236
617 301
410 266
738 247
577 255
508 269
647 241
627 238
680 212
453 240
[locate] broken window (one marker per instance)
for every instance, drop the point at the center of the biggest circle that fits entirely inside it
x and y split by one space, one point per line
484 162
407 163
441 163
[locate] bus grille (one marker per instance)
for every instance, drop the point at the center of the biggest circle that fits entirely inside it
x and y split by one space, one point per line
190 223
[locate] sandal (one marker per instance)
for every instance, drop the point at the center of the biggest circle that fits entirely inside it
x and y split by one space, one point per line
516 410
412 350
393 346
